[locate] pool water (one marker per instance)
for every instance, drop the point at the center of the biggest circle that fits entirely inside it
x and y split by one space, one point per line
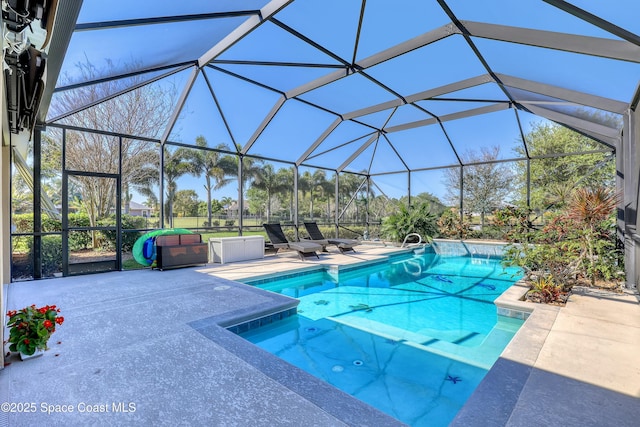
412 337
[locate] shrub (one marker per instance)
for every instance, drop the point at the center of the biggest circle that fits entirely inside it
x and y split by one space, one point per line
512 221
545 290
51 254
557 260
491 232
352 232
414 219
450 224
24 223
591 209
129 222
79 239
579 242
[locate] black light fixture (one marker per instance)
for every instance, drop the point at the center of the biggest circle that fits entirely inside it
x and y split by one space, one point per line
23 65
19 14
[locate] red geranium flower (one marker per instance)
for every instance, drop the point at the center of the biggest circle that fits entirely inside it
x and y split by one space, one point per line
31 327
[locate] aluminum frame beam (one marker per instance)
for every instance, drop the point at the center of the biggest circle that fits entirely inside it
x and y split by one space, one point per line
400 49
359 151
253 22
386 138
595 20
179 66
448 117
117 94
604 134
586 45
103 25
405 47
319 141
421 96
467 37
344 144
569 95
179 105
450 88
512 159
262 126
218 107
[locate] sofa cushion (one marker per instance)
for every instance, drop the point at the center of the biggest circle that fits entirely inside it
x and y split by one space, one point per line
168 240
189 239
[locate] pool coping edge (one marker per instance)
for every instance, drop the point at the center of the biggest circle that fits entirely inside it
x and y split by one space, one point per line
495 398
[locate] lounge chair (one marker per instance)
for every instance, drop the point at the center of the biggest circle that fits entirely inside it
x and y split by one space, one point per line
316 236
279 241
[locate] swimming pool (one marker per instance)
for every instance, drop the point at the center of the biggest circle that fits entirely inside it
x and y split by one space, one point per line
413 336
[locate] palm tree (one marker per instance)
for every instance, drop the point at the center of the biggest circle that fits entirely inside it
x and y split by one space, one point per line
251 167
312 183
319 183
589 208
349 184
174 168
215 167
226 201
152 201
285 175
139 168
270 182
304 184
328 189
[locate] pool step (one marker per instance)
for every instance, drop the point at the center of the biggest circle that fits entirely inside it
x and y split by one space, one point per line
482 355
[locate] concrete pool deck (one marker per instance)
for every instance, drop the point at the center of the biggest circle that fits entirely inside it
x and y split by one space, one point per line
146 348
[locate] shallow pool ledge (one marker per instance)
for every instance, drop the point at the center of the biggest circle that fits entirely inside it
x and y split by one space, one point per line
269 307
495 398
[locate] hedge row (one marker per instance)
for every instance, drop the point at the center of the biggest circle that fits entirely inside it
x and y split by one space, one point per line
79 240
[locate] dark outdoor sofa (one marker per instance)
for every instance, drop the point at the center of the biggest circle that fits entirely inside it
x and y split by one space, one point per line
180 250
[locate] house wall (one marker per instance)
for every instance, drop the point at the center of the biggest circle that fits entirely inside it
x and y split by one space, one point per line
5 226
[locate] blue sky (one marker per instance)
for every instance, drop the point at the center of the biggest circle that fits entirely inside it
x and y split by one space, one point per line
297 125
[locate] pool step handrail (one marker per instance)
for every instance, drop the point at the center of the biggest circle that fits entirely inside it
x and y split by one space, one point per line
420 241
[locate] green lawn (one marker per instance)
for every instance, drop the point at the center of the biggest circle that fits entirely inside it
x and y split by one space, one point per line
195 222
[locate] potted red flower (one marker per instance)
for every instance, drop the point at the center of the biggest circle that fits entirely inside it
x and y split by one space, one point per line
31 328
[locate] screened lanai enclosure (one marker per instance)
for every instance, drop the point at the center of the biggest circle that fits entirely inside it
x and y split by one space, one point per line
220 116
